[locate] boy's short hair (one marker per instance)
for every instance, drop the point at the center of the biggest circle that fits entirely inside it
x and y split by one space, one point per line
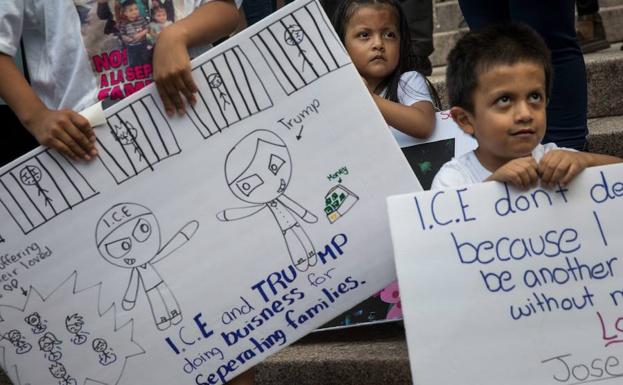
480 50
125 4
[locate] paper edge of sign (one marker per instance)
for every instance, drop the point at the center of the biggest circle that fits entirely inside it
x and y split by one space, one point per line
94 114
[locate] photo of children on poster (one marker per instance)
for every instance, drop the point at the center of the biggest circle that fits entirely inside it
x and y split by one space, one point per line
119 36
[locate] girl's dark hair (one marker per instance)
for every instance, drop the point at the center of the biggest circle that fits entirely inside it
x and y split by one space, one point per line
407 61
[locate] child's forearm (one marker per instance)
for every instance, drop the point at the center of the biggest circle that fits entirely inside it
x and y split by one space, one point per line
593 159
171 62
417 120
16 91
63 130
206 24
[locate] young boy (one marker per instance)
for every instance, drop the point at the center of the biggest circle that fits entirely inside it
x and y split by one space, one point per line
498 82
133 31
62 80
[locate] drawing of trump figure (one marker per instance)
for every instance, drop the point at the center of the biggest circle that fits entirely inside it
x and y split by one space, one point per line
258 171
128 236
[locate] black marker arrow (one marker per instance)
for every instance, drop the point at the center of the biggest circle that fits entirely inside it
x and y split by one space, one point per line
299 136
223 97
24 292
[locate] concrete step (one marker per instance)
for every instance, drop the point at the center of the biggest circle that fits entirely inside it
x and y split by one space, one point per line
605 82
609 3
606 135
443 43
364 355
613 22
448 17
604 72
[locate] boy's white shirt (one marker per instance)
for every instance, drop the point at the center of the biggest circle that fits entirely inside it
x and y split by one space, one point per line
412 88
467 169
59 68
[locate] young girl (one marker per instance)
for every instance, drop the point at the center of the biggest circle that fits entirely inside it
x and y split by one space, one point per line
376 36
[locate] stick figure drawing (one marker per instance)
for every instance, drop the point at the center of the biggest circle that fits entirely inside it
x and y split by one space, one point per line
258 171
128 236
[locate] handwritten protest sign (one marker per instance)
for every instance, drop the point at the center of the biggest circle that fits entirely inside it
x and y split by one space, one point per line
425 156
501 286
195 246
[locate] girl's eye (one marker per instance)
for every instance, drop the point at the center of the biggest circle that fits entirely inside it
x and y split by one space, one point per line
391 35
362 35
536 97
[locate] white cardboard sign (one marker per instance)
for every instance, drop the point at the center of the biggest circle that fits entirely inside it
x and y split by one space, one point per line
196 246
426 157
501 286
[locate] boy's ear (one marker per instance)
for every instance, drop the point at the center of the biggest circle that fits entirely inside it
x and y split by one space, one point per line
463 118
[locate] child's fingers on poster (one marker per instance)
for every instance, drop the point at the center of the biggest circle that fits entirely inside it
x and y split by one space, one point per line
173 87
75 141
185 89
191 87
522 179
83 125
573 170
520 172
80 131
62 148
561 166
529 168
551 169
533 176
559 173
169 107
171 97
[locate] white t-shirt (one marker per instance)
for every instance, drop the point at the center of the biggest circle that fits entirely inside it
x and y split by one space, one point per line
59 43
412 88
467 169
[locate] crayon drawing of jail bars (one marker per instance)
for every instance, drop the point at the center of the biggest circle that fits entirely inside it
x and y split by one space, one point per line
138 137
300 48
229 91
41 188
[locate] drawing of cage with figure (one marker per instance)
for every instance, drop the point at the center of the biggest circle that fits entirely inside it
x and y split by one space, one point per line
41 188
300 48
133 145
233 92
